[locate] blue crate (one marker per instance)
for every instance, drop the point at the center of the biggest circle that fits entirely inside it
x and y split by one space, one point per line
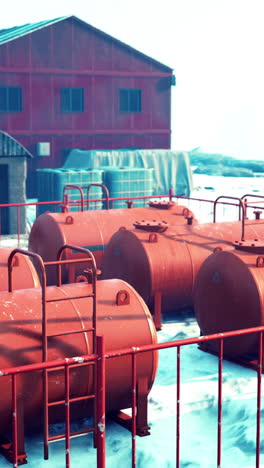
51 183
128 182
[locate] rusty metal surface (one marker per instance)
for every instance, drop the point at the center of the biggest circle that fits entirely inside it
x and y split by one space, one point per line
24 273
90 229
168 262
228 295
124 323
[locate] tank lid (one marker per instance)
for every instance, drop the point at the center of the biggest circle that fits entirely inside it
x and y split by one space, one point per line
151 226
161 204
252 246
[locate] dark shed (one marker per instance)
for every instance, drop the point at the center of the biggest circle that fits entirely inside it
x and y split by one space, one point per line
13 172
65 84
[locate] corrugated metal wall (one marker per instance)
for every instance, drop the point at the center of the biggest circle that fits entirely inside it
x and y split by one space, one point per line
69 53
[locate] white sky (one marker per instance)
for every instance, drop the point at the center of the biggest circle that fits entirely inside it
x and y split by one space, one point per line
214 46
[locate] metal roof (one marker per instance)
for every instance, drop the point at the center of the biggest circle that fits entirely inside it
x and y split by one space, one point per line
9 146
10 34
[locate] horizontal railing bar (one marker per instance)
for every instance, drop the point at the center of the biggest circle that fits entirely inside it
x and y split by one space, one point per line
127 351
184 342
49 364
57 202
67 298
71 332
140 197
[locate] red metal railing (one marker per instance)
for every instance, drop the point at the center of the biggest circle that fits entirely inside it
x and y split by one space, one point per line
192 203
66 363
100 357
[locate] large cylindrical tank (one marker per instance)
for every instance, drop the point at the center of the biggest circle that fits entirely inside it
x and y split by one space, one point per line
92 230
229 295
24 274
168 262
123 323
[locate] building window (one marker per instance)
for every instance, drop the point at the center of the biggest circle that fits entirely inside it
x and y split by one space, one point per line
130 100
72 99
10 99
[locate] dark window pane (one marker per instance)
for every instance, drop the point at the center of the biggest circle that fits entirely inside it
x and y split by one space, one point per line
72 99
65 100
130 100
135 100
3 99
77 99
10 99
124 100
14 99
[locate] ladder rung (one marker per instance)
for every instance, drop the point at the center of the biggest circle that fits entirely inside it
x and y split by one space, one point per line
84 330
67 298
72 400
91 293
73 434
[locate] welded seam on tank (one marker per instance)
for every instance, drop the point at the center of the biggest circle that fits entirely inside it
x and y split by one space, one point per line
258 278
36 281
191 262
62 233
103 243
151 328
154 339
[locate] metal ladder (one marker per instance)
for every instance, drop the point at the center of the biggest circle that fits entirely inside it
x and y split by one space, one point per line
92 272
45 338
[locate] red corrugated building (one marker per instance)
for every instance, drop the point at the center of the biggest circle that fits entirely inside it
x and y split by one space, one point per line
65 84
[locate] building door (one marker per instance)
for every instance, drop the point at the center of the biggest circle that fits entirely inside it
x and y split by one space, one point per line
4 212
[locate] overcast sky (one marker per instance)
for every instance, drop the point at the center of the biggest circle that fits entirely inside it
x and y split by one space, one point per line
214 46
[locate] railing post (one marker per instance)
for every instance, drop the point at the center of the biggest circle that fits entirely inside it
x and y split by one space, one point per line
134 409
14 421
45 415
178 407
259 370
220 388
100 402
18 226
67 415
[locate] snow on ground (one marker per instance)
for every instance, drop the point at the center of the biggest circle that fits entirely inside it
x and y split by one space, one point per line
199 380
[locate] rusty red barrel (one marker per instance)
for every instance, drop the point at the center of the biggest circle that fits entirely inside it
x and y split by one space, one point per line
228 296
122 317
24 273
166 263
93 230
